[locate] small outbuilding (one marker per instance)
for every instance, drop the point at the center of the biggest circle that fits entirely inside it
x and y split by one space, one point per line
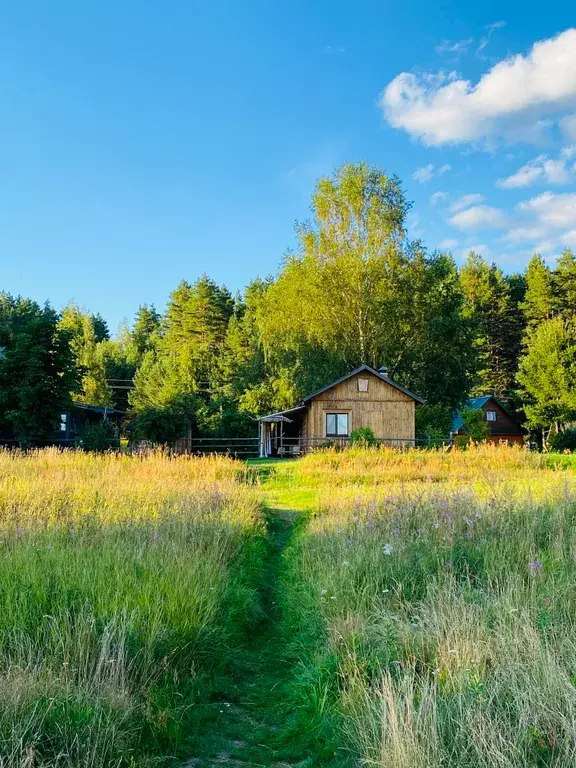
363 398
503 425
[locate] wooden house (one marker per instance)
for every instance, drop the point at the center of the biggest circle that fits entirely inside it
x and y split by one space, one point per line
503 425
363 398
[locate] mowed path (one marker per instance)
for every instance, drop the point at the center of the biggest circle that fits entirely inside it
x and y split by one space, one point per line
247 728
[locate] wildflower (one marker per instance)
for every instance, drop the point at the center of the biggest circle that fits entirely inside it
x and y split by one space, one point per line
547 602
20 531
429 479
468 534
448 565
436 671
396 531
346 562
388 549
323 592
452 651
155 536
435 523
535 566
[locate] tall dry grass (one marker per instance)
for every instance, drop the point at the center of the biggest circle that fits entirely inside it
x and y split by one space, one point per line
124 582
437 615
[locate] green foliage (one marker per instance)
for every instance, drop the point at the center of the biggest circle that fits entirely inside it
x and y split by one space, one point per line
362 436
547 373
563 441
86 340
357 292
492 304
37 370
474 424
98 437
433 423
164 425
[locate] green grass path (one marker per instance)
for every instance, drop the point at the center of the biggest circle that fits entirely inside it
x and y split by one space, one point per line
247 727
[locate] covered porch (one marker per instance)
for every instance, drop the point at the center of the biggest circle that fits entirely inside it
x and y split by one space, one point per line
280 434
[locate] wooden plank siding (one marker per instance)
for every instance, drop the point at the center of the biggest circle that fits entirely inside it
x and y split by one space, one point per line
387 411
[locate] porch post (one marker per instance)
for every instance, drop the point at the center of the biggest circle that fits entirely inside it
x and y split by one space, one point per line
262 441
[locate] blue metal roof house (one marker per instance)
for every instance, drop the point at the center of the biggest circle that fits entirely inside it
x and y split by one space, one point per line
503 425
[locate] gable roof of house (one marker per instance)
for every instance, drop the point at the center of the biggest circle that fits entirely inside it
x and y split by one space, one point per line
474 404
363 369
281 415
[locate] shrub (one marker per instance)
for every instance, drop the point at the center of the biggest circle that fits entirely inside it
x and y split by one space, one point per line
99 437
563 441
433 423
363 436
475 426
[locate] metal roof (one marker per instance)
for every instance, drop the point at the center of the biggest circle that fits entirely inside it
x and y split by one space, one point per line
280 415
473 404
105 410
362 369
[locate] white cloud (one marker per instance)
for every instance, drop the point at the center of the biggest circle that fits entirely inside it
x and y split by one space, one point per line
333 49
517 234
512 100
479 217
423 174
438 197
568 126
466 201
456 47
541 169
491 28
426 173
554 211
481 249
447 244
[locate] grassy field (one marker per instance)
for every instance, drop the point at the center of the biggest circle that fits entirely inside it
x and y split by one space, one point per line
433 596
125 586
357 608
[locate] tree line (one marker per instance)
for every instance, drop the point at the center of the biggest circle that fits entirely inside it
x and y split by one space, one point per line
356 290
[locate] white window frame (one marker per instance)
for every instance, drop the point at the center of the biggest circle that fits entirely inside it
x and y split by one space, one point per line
491 416
337 415
362 385
63 422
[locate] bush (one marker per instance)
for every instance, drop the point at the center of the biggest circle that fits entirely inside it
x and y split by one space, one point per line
433 423
163 425
563 441
99 437
475 426
363 436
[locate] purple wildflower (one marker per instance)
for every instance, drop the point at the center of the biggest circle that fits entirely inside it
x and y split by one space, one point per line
535 566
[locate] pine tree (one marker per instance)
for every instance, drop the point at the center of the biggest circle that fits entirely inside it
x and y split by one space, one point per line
540 300
497 324
37 370
145 330
564 277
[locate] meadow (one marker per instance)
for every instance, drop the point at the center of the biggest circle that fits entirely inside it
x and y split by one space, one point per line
125 584
366 607
433 596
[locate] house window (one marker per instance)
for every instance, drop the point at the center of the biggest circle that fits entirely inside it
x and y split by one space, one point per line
336 425
63 422
490 415
362 385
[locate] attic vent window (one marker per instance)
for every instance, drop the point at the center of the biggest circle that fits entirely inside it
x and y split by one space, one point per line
490 415
362 385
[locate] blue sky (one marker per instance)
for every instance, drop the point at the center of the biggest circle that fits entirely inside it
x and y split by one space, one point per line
146 142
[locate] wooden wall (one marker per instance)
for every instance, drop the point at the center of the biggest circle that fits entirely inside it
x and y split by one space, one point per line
388 412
